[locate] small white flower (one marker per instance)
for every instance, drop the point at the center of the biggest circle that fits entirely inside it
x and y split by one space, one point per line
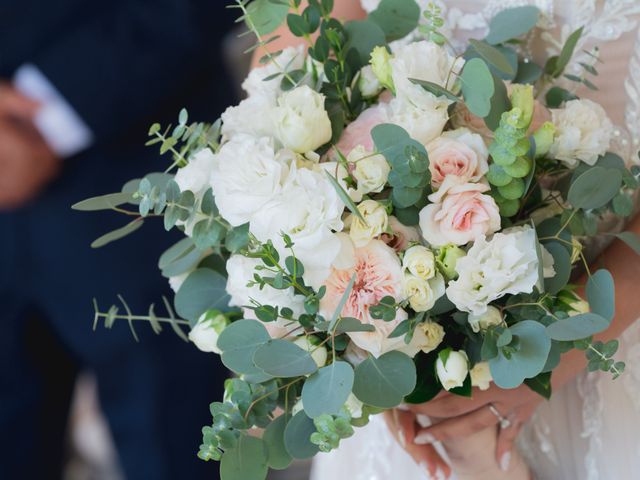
376 222
206 332
481 376
422 294
370 171
426 337
368 82
583 132
454 372
302 123
490 318
420 262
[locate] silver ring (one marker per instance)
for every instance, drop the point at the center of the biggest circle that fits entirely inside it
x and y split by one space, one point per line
504 422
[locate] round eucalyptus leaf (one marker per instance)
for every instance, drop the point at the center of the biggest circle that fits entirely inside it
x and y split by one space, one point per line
397 18
326 391
384 381
283 359
527 361
248 461
561 265
512 23
493 57
103 202
203 290
267 15
238 343
601 294
595 188
297 437
278 457
577 327
477 87
364 35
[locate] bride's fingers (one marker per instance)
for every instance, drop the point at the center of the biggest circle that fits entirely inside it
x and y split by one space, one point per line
457 427
504 446
449 405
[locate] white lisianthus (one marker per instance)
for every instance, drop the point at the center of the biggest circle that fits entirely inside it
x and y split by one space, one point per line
370 170
426 337
302 123
195 176
247 174
481 376
309 210
490 318
420 262
255 85
207 330
454 372
368 82
422 294
312 345
583 132
376 222
252 116
507 264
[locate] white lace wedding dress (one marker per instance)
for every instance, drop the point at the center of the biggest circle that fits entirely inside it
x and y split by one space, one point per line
590 429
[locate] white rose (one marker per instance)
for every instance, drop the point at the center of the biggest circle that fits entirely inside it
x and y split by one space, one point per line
454 372
481 376
302 123
485 320
420 262
247 174
206 332
311 345
583 132
369 84
195 176
426 337
507 264
423 122
376 222
371 171
422 294
309 210
252 116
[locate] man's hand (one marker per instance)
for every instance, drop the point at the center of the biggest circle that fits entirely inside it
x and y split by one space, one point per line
27 163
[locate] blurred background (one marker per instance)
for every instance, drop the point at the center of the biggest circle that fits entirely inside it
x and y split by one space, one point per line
80 83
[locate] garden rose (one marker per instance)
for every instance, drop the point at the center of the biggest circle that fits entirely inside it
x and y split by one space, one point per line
462 216
453 373
207 330
490 318
358 132
422 294
420 262
426 337
401 235
376 222
459 153
370 171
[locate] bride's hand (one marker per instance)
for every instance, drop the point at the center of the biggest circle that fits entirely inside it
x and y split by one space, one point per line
460 417
403 426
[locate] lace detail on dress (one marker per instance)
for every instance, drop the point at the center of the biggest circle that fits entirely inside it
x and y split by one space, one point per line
592 409
632 87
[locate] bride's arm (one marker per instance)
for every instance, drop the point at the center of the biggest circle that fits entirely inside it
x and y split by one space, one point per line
466 416
342 10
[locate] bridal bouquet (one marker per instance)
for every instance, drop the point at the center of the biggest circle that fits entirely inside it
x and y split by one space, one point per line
382 217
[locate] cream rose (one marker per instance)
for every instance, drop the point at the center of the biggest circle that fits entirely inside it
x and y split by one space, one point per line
302 123
420 262
370 170
453 373
241 188
207 330
490 318
481 376
459 153
376 222
507 264
426 337
422 294
583 132
461 217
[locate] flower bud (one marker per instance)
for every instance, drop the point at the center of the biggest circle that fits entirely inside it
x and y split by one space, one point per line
420 262
481 376
428 336
422 294
543 138
369 84
490 318
454 372
522 98
206 332
376 222
448 258
381 66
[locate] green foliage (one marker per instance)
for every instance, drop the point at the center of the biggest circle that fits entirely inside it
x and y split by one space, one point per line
297 437
601 294
600 357
427 384
364 35
247 461
493 57
555 65
273 438
512 23
594 188
283 359
239 342
103 202
265 15
432 24
577 327
344 196
386 309
384 381
397 18
561 265
204 289
631 239
117 234
330 429
524 358
326 391
541 384
556 96
477 87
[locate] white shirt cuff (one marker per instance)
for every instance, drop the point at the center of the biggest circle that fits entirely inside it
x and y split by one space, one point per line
59 124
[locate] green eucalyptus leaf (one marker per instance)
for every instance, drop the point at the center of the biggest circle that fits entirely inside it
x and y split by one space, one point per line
297 436
283 359
344 196
364 35
278 457
103 202
267 15
601 294
528 72
347 324
477 87
327 390
493 57
577 327
117 234
384 381
238 343
247 461
237 238
541 384
567 52
631 239
556 96
500 103
594 188
397 18
561 265
180 258
436 89
512 23
203 290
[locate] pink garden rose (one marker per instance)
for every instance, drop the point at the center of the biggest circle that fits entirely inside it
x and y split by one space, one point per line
459 153
402 235
378 274
358 132
461 214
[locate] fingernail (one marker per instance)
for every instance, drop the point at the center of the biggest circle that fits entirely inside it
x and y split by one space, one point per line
505 460
425 467
403 441
404 407
440 474
424 438
423 420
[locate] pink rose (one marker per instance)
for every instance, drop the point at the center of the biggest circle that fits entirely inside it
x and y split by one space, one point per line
462 214
459 153
358 132
378 274
402 235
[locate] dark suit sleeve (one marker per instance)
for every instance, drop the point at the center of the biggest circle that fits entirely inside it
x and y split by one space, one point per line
115 67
